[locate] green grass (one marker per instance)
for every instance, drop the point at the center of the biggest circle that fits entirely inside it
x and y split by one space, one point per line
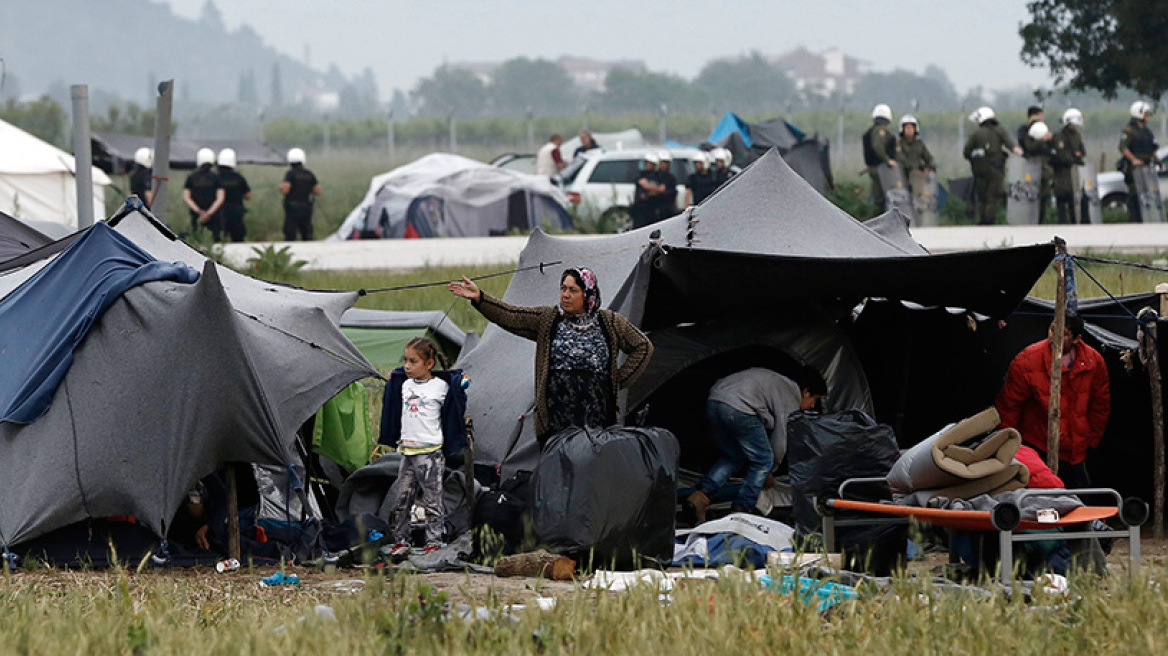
173 613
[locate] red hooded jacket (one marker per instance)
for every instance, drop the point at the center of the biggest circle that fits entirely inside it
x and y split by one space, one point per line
1086 400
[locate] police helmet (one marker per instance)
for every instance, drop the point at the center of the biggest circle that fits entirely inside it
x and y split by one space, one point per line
1073 117
723 155
908 119
144 157
1140 108
882 111
227 157
1038 130
296 156
204 156
651 157
665 156
983 114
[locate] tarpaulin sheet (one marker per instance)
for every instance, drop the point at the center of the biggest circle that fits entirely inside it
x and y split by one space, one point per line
43 321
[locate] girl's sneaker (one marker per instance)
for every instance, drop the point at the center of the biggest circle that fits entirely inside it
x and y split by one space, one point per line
400 551
431 548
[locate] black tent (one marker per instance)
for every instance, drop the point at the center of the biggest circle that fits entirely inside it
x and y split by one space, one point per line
18 238
806 155
766 271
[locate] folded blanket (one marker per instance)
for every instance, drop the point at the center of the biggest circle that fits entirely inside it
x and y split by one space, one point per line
954 461
1014 477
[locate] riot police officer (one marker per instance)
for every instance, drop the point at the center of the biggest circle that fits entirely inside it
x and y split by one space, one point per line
203 194
1069 152
1138 145
300 188
236 190
142 176
987 149
879 148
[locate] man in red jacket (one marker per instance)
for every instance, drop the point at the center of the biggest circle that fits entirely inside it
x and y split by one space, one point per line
1024 400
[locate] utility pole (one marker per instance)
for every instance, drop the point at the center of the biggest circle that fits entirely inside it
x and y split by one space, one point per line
82 156
162 147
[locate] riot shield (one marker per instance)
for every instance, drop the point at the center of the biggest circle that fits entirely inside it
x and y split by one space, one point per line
1088 205
896 193
1148 188
1024 183
925 198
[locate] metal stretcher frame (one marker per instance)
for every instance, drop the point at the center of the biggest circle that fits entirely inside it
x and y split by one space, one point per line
1005 518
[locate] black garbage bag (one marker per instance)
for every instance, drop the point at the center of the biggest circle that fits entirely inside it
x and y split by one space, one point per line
607 497
824 450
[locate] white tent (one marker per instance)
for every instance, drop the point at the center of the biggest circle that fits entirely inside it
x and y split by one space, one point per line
444 195
36 180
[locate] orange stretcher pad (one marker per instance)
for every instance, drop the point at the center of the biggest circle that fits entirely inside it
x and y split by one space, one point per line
973 520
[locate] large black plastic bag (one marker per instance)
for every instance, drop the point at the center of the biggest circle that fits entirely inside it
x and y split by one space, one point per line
824 451
608 496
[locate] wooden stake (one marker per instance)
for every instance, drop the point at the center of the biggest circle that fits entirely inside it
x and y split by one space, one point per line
232 513
1150 356
537 563
1054 416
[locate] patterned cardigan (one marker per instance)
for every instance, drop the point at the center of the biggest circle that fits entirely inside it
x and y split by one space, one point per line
538 324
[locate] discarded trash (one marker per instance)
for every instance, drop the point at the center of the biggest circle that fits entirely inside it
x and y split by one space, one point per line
323 613
375 535
229 565
280 578
824 594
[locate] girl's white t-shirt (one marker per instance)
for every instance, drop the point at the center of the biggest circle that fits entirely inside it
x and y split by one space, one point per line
422 401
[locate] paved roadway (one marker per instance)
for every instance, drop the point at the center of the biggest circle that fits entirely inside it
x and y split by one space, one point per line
491 251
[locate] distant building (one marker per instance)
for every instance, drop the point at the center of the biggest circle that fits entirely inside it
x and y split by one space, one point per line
825 73
587 74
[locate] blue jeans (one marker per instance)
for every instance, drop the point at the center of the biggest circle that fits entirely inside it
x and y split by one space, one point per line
743 440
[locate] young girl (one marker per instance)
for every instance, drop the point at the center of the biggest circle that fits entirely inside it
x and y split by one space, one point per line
422 415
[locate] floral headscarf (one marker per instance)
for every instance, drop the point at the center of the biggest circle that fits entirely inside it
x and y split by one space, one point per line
587 280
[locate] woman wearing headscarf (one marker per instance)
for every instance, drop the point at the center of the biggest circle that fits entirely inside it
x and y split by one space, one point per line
577 344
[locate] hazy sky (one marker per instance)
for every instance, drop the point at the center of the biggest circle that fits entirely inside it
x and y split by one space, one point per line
977 43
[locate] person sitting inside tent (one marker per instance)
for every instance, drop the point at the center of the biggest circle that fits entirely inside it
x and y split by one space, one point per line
747 413
577 345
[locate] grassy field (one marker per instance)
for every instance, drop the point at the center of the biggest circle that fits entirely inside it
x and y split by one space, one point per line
119 612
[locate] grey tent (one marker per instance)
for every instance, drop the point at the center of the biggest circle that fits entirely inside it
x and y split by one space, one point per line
748 276
18 238
172 380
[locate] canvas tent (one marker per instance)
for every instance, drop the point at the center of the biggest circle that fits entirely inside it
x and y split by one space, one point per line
442 195
171 380
37 182
776 262
114 153
382 335
18 238
807 156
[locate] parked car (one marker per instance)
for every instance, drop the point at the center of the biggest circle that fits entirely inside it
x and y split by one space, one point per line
599 183
520 162
1113 192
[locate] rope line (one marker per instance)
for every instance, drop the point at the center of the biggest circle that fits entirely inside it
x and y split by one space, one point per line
1105 290
338 356
1134 265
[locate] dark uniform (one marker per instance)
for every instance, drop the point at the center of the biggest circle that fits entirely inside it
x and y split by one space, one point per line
204 185
235 187
1038 149
298 203
665 203
879 148
1137 138
913 155
986 151
701 185
1068 153
641 211
140 180
720 174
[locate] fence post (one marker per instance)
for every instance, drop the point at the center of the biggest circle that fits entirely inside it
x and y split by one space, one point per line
82 156
1056 356
1150 357
162 148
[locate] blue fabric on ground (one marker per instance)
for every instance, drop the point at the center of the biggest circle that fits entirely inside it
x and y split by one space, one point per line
47 317
728 549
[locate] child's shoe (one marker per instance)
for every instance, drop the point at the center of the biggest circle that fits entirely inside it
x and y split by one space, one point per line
399 552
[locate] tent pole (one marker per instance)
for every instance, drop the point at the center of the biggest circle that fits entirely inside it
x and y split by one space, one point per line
82 156
1056 355
162 148
1150 356
232 513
